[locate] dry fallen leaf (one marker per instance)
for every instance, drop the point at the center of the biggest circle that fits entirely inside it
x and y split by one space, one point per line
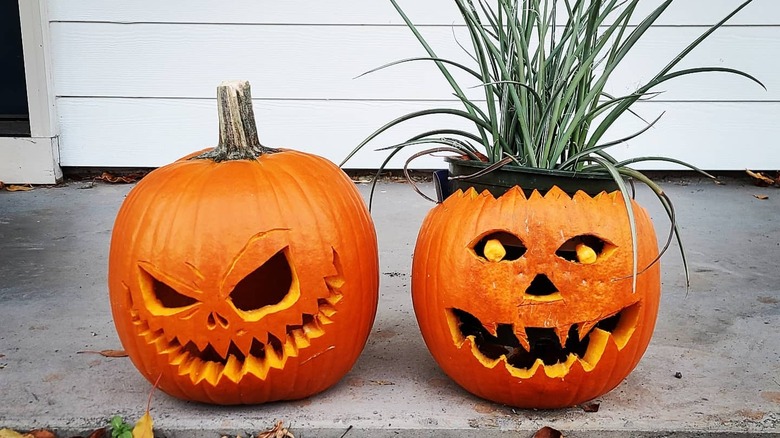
105 353
761 197
8 433
591 407
19 188
143 428
126 179
100 433
278 431
548 432
42 433
761 180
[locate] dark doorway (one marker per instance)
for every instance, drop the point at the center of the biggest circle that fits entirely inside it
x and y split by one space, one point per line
14 112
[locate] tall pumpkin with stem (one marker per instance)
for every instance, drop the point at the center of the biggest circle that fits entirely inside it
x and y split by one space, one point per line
237 276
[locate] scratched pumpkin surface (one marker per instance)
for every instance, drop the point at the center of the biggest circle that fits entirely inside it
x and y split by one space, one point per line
530 301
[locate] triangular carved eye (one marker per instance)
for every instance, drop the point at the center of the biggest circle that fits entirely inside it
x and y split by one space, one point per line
265 286
169 298
166 295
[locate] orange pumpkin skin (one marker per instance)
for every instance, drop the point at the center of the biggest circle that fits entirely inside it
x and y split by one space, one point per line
244 281
448 273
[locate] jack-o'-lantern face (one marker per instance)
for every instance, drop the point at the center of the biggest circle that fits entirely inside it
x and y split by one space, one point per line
530 302
256 321
232 290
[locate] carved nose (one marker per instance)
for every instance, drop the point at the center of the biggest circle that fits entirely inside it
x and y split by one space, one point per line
541 286
215 319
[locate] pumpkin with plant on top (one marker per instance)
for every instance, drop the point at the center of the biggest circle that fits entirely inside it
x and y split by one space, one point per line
536 280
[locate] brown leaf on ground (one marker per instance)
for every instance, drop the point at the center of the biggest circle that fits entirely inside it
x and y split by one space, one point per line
547 432
2 185
38 433
591 407
120 179
762 180
761 197
42 433
278 431
105 353
19 188
100 433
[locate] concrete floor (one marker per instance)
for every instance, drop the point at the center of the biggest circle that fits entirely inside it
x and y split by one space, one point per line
722 336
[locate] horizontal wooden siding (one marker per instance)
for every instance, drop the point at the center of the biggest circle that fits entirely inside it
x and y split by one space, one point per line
135 84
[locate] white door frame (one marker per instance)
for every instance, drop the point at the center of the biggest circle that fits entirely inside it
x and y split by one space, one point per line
34 159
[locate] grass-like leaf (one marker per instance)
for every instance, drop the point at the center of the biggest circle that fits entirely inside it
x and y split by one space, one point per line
544 83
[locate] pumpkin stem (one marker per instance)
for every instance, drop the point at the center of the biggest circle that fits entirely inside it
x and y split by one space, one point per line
237 129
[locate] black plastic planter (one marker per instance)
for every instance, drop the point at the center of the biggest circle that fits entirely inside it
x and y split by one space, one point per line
529 179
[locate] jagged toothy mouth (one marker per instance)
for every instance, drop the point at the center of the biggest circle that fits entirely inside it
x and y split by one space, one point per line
523 350
211 365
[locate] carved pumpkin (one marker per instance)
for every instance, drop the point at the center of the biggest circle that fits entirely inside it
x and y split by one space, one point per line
244 280
530 302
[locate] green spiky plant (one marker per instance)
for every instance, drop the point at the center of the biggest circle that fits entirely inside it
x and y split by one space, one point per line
545 104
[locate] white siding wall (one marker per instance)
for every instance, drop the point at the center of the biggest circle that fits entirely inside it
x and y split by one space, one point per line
135 82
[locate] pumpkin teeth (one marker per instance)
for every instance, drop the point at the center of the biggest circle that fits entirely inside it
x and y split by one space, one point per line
525 373
145 332
210 363
563 334
232 369
313 329
523 351
274 359
596 346
524 342
180 358
300 339
222 351
323 320
485 360
290 348
161 344
333 298
585 328
325 308
191 366
169 348
253 365
208 371
625 328
335 282
491 328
